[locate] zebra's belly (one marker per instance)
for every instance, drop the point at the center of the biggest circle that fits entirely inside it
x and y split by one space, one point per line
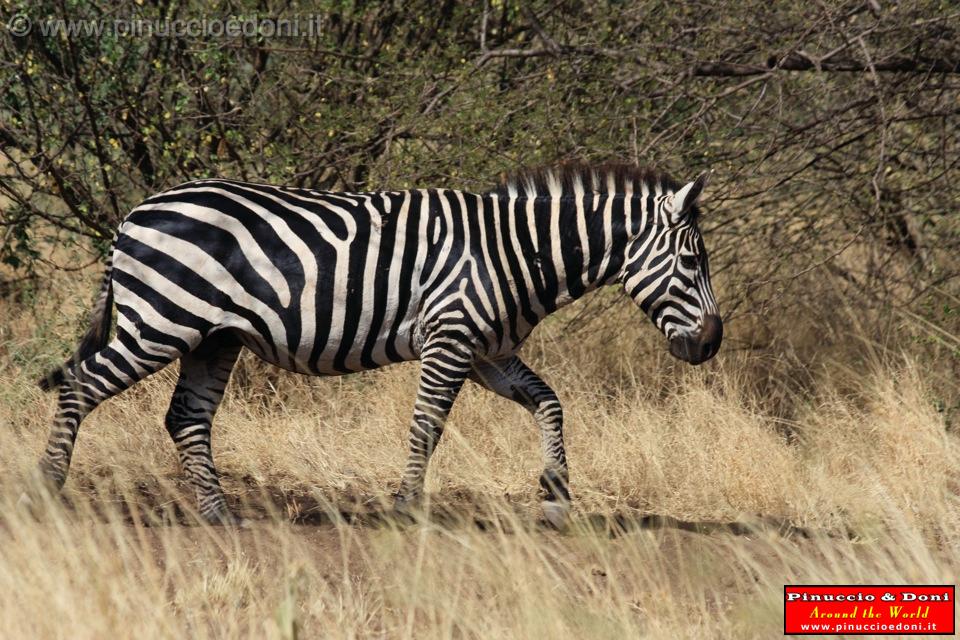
377 351
364 353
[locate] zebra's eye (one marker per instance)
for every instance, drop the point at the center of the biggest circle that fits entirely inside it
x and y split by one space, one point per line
688 262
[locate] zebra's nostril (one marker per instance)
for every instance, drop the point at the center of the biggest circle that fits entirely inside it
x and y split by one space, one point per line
711 334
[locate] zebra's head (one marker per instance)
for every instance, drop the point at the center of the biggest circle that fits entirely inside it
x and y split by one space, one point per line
667 275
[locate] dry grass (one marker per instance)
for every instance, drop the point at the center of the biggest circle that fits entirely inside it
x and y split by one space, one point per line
831 457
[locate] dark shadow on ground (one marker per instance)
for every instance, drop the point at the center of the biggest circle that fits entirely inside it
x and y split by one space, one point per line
152 506
466 511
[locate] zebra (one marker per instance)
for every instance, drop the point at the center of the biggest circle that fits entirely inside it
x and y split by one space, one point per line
331 283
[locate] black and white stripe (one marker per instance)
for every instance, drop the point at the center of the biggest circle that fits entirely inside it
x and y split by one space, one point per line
331 283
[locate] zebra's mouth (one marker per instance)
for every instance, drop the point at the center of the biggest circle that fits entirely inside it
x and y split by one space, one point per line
700 347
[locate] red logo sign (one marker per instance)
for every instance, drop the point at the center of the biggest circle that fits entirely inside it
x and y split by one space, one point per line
874 609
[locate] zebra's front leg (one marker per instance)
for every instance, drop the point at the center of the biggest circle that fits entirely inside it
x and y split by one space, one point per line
444 367
514 380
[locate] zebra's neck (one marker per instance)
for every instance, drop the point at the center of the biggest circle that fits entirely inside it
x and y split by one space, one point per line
567 245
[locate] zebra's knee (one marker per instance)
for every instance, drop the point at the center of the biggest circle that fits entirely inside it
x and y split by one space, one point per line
172 421
425 434
179 414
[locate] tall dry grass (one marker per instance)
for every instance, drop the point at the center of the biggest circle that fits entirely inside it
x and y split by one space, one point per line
699 492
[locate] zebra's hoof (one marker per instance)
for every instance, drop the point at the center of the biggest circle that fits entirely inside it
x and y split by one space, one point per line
406 508
34 504
26 504
36 495
226 519
556 513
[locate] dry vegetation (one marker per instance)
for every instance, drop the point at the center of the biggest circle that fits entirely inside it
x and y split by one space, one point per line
699 493
820 446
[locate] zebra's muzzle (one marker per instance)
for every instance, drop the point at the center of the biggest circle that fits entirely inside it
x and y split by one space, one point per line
699 347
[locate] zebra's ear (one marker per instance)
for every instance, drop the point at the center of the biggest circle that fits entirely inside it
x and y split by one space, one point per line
687 196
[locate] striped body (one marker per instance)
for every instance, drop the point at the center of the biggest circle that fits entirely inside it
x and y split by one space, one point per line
331 283
324 283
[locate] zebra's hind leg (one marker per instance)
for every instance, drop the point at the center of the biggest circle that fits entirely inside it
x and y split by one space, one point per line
118 366
514 380
204 374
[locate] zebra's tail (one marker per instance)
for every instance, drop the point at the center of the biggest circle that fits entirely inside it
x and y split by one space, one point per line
97 335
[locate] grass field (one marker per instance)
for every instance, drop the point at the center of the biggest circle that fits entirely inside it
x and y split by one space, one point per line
826 456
